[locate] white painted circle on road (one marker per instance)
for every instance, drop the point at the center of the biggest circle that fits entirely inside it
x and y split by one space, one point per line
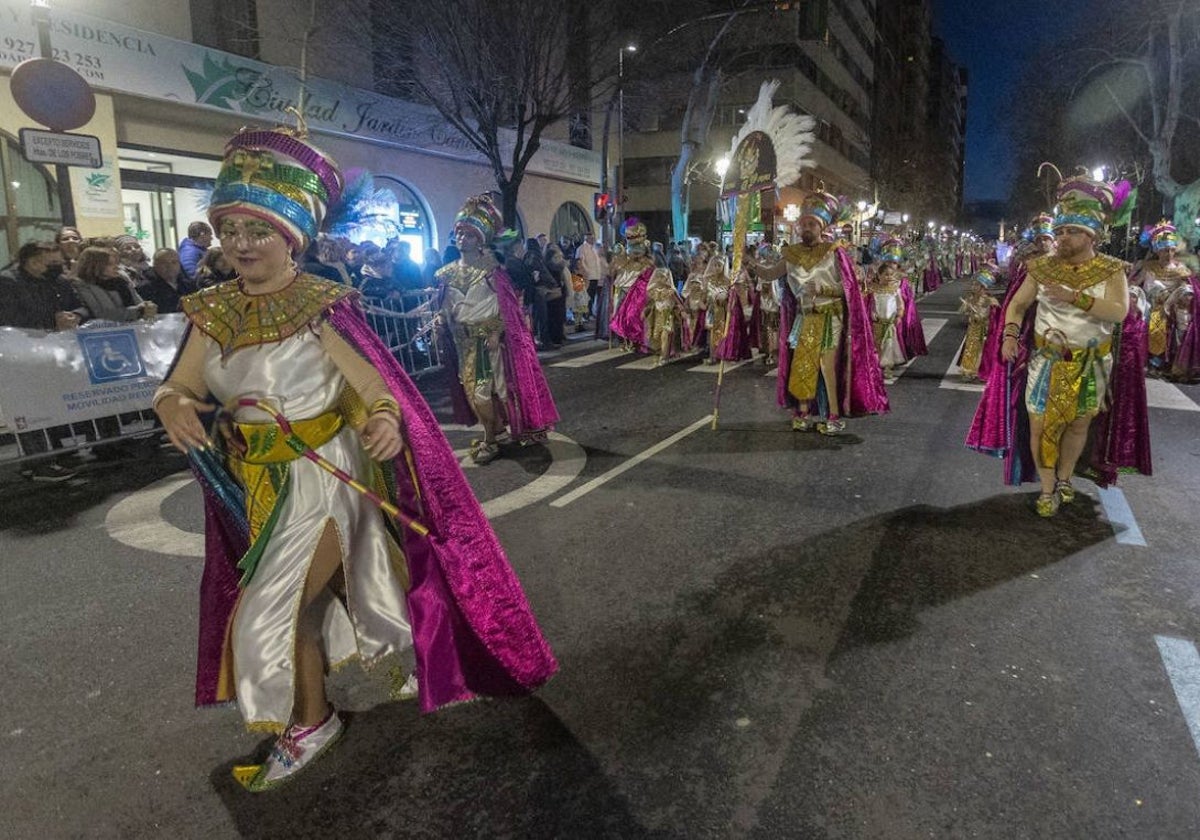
137 520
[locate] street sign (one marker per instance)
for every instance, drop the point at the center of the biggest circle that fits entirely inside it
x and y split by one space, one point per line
60 147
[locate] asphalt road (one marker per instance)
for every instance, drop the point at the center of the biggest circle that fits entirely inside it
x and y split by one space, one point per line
762 634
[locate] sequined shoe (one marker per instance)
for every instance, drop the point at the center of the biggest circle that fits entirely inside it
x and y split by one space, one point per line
1066 493
295 749
1047 504
485 453
804 423
833 426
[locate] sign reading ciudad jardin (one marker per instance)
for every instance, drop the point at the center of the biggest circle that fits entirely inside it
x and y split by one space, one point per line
122 59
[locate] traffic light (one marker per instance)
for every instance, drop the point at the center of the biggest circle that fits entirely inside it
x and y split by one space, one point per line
601 206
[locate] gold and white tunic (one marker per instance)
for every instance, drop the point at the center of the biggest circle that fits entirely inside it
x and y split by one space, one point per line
308 376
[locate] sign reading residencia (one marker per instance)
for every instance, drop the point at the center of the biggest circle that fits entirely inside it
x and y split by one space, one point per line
119 58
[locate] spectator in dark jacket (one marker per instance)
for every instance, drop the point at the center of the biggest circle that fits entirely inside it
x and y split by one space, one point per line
34 294
192 249
164 282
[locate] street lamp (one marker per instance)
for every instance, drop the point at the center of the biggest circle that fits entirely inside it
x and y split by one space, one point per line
1098 173
722 166
618 204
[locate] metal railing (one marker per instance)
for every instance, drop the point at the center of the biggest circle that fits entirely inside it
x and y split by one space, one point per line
405 325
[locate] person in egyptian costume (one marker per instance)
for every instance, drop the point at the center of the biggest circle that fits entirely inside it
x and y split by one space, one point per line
889 305
667 322
1072 350
1160 276
500 381
631 272
978 305
766 308
319 431
695 296
828 366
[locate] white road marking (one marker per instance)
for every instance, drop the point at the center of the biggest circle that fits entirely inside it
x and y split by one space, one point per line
588 359
1118 512
1182 661
137 521
931 327
1160 394
651 362
644 455
953 379
715 367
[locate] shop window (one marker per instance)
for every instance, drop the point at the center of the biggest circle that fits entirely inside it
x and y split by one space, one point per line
393 211
30 189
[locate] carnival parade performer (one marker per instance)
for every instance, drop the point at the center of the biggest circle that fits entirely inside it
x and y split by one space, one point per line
828 367
668 324
932 278
1160 275
885 301
631 272
1039 242
717 287
1073 356
978 305
767 309
322 429
731 338
499 376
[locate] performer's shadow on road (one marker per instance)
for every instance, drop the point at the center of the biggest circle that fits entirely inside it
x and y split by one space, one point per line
698 702
506 768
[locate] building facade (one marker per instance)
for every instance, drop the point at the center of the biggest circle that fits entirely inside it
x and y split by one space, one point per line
172 89
822 52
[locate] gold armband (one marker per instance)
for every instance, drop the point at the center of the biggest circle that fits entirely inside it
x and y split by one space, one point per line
385 405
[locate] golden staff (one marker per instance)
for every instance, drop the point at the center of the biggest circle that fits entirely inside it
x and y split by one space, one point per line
295 442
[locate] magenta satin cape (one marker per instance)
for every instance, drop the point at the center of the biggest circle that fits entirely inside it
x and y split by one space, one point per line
529 407
912 334
629 321
1185 356
933 275
735 346
860 379
1120 435
473 631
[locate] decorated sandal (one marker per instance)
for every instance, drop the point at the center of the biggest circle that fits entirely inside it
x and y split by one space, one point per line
833 426
1066 493
295 749
1047 504
804 423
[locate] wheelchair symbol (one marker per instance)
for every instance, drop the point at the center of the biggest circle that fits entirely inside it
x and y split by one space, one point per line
114 361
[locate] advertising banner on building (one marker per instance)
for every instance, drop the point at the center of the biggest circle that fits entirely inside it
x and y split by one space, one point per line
119 58
51 379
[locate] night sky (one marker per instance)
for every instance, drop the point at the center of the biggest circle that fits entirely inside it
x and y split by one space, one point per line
994 39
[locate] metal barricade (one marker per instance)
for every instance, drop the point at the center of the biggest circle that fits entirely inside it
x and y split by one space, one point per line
405 325
82 434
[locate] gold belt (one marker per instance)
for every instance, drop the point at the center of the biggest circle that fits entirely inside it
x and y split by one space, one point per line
266 443
484 329
834 307
1067 351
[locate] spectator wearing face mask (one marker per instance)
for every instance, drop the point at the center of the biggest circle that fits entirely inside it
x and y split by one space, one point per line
34 295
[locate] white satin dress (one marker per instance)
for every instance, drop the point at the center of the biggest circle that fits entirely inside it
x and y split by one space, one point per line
300 378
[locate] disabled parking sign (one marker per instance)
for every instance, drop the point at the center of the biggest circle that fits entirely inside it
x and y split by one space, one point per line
112 355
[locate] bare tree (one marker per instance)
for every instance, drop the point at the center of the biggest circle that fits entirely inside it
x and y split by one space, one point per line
500 73
1126 100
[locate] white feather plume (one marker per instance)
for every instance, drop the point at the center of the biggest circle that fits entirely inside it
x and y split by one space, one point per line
791 134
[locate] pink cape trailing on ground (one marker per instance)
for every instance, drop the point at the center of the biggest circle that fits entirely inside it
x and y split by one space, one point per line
473 631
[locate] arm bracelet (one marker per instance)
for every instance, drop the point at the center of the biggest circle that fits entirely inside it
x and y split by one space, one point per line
385 405
1012 330
1084 301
